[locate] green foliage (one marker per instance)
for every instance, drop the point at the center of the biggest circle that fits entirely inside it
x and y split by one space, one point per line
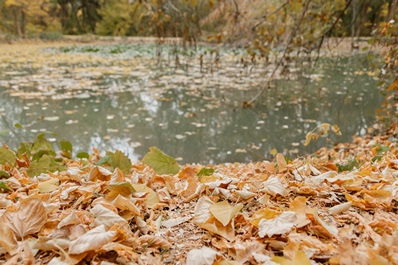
348 166
205 172
119 18
4 174
51 35
41 146
122 188
7 156
45 164
116 160
66 148
3 186
18 126
160 162
380 151
82 155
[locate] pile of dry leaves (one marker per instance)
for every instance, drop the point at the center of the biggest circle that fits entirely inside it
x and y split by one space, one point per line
337 206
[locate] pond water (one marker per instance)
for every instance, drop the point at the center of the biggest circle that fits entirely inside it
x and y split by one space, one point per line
188 104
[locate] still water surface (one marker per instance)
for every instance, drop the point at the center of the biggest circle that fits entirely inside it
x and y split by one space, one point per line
126 98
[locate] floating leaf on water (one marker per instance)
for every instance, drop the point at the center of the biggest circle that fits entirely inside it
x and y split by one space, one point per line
160 162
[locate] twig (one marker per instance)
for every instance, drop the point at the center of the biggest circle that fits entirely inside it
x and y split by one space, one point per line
279 63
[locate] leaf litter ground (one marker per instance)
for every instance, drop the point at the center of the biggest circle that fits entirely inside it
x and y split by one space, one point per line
338 206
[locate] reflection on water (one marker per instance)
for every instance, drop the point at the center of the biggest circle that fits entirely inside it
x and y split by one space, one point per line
189 112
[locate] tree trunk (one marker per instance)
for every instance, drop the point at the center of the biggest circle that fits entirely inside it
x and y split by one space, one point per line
393 6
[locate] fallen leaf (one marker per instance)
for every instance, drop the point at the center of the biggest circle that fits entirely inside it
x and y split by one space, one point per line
277 226
224 212
8 240
106 217
92 240
152 197
27 219
49 185
160 162
274 186
202 256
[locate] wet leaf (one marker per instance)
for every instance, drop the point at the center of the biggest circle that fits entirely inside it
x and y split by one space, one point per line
161 163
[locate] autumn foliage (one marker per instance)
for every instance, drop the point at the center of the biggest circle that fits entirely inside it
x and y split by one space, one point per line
321 208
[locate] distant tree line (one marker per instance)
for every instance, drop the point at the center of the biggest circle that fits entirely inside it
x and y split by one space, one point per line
217 20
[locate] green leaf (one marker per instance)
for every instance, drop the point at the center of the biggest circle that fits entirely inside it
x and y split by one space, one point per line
45 164
160 162
82 155
66 146
376 158
7 155
103 160
4 174
24 148
205 172
348 166
382 149
120 160
123 188
18 126
41 147
4 186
